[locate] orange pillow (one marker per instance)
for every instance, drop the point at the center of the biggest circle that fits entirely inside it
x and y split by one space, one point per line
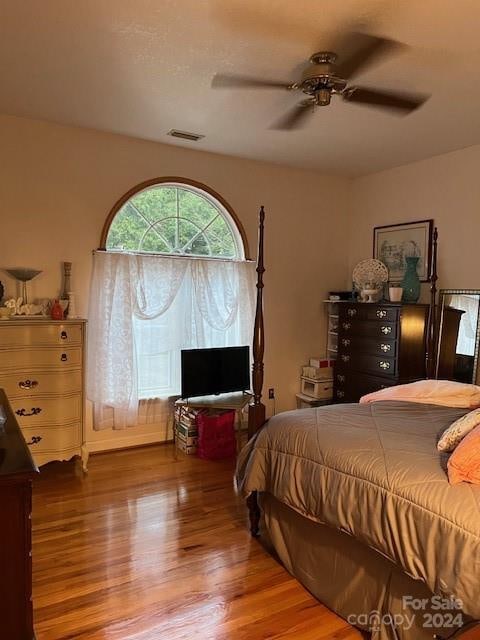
464 463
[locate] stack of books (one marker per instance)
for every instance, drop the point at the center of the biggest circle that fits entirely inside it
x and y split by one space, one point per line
186 430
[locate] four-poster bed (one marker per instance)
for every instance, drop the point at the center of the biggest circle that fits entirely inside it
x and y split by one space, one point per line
348 502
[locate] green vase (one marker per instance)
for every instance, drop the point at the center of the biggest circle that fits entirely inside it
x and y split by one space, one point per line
411 281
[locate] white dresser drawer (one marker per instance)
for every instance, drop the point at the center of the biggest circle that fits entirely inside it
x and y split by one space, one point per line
28 383
48 412
34 335
59 358
47 440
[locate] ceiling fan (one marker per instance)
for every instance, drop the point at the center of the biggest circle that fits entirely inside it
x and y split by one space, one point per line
324 77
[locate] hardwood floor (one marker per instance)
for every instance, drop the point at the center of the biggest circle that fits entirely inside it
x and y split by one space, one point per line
146 547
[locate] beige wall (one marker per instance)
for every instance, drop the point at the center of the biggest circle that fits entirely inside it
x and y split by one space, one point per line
58 184
445 188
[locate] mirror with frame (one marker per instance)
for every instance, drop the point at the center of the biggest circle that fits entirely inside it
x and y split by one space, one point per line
458 335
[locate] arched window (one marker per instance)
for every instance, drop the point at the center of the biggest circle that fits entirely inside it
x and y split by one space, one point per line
172 217
173 273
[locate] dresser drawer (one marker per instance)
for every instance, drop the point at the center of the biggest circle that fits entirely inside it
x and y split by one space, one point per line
350 386
379 313
380 365
352 312
48 440
367 328
366 311
29 383
59 358
37 335
49 412
372 346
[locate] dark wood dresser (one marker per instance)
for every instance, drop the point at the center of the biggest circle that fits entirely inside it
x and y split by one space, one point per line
379 345
16 472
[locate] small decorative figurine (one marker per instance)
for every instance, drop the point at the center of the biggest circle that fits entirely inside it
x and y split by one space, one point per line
64 301
56 311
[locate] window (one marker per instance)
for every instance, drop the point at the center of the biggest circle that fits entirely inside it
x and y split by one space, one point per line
172 275
177 219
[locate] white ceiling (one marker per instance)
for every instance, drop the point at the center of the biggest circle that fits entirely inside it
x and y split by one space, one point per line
143 67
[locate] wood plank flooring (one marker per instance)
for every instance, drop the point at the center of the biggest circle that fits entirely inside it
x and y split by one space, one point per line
150 547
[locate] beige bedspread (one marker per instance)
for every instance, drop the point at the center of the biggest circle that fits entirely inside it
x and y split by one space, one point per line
373 471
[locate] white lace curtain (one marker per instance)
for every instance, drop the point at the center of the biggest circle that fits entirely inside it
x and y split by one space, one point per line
143 310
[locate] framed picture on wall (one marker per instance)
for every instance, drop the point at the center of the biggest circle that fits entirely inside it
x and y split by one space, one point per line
393 243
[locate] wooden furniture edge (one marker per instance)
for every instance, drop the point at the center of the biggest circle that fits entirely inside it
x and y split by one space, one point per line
256 411
432 346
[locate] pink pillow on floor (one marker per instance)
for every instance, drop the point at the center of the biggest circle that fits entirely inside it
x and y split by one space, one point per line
464 463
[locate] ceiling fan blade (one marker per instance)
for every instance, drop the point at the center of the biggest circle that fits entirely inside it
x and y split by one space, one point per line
295 117
386 99
366 49
225 81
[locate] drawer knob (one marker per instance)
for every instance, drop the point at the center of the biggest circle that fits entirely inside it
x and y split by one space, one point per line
386 330
381 313
340 394
346 358
346 325
28 384
340 377
385 347
35 440
384 365
63 335
352 312
64 357
346 342
24 412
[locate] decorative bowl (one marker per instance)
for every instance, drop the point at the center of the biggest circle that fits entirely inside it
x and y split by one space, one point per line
370 274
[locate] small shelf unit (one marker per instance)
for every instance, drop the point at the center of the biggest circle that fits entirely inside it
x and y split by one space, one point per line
332 328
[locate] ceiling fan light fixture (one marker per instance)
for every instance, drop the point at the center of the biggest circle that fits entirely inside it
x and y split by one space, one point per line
323 97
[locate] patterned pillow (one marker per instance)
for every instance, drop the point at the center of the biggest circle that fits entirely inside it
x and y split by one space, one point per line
464 463
455 433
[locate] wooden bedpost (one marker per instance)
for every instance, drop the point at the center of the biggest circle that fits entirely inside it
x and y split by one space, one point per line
432 316
256 411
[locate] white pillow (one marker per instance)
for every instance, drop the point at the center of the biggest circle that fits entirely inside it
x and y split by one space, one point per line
455 433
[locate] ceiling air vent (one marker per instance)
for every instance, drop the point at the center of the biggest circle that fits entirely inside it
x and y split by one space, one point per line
185 135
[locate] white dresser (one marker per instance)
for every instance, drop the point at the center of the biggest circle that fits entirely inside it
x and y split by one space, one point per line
42 372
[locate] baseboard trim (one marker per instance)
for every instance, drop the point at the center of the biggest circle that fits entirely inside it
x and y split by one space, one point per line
127 442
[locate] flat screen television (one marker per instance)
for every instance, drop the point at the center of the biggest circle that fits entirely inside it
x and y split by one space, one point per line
213 371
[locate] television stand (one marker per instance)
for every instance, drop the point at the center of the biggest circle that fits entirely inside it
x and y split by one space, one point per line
232 401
